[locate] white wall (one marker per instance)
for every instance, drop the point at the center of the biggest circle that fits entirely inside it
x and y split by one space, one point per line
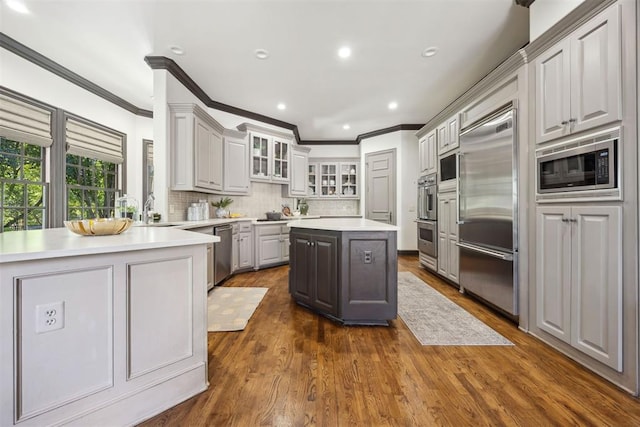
543 14
334 151
28 79
406 145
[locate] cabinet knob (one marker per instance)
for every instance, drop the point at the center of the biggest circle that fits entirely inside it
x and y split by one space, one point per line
573 120
564 122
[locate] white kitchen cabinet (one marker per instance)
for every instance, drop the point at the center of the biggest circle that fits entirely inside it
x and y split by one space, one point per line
334 178
236 162
578 80
448 251
196 150
269 154
242 246
579 278
428 154
272 245
447 135
298 185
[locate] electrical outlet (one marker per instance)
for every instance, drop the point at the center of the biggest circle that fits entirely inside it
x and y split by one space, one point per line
172 209
368 257
49 317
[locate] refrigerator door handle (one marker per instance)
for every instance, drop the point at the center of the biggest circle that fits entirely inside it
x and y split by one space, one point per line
495 254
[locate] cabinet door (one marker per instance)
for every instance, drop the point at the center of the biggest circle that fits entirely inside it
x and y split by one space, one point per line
431 153
453 259
325 276
553 91
260 156
301 267
235 252
349 180
299 170
236 165
596 303
280 161
270 250
596 71
284 244
203 154
245 252
215 159
312 177
452 215
453 132
422 155
443 138
328 179
553 271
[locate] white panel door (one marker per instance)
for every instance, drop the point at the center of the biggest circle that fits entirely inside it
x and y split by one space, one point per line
380 179
215 159
596 71
245 251
553 92
553 271
270 249
453 132
443 138
203 154
299 166
597 283
431 153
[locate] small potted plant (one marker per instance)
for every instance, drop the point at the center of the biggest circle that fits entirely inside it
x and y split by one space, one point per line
221 207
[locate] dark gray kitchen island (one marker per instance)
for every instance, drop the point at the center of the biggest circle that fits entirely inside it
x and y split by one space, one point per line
345 269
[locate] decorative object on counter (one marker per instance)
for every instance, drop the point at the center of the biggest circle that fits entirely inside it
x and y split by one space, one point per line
229 309
435 320
204 205
274 216
286 210
303 207
127 207
99 226
221 205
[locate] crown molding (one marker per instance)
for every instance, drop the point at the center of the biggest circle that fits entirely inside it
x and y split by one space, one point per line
53 67
391 129
524 3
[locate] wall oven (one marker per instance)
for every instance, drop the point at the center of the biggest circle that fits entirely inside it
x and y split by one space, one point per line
427 204
587 164
428 238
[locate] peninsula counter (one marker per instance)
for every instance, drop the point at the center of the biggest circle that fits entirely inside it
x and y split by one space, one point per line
101 330
345 269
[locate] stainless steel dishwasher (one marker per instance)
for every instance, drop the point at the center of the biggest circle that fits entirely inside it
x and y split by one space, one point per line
222 252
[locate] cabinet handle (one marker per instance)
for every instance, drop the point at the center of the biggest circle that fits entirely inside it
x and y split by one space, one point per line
573 120
565 219
564 122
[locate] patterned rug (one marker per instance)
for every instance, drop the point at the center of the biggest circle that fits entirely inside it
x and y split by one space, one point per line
435 320
230 308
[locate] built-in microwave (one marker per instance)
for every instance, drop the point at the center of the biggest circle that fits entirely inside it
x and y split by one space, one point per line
589 164
449 167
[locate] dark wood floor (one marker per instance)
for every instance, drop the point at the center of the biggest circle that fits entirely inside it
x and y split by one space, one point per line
291 367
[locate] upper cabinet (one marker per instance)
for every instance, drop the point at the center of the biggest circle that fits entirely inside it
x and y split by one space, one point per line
196 149
447 134
299 169
578 80
428 154
333 178
236 162
269 154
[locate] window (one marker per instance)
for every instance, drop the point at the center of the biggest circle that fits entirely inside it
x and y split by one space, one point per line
23 189
91 187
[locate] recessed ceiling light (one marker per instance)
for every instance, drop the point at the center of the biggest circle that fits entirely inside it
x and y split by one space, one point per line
261 53
393 105
346 126
281 106
176 50
17 6
429 52
344 52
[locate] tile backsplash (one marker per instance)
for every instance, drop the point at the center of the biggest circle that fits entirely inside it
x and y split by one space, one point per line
263 198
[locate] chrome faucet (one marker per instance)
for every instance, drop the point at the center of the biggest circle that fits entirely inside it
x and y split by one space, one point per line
147 207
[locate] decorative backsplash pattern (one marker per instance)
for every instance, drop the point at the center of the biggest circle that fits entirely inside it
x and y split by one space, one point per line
263 198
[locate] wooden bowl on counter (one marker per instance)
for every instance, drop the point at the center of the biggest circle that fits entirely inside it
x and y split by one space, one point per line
99 226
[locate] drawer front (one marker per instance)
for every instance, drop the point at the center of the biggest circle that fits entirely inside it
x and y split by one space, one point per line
244 227
269 230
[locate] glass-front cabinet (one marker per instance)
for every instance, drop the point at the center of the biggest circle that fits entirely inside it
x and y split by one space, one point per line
313 180
259 156
333 179
270 155
280 171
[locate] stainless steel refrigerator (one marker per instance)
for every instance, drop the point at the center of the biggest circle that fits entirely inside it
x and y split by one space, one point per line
488 204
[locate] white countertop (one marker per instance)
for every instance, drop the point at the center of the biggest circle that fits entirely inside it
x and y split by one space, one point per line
343 224
60 242
185 225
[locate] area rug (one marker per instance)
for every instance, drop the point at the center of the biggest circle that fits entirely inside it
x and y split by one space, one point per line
436 320
229 309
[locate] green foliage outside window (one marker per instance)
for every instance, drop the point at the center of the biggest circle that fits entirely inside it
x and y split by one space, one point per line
22 186
91 187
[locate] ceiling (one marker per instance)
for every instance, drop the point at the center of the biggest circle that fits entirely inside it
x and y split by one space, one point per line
105 41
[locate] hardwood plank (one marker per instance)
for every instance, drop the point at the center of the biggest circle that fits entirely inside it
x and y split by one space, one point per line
291 367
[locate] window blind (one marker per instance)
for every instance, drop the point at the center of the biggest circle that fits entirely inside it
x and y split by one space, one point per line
90 141
23 122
